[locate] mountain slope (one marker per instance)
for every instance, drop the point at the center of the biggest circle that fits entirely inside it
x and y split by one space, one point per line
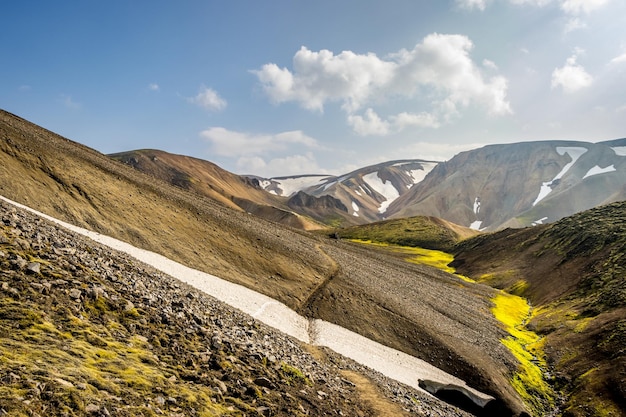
361 196
214 182
573 272
377 296
521 184
85 330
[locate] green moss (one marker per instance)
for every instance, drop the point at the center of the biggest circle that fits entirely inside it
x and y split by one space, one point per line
527 347
292 374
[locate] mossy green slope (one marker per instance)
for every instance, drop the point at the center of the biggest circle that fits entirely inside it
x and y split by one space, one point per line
573 271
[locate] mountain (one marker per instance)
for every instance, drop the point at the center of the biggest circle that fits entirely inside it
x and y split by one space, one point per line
206 178
494 187
380 297
361 196
573 272
520 184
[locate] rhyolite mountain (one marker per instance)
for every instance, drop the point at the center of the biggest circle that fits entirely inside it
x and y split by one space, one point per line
359 197
520 184
497 186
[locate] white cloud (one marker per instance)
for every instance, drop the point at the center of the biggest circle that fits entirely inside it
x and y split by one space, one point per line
369 124
619 59
439 70
208 99
571 77
581 6
153 87
372 124
489 64
289 165
536 3
230 143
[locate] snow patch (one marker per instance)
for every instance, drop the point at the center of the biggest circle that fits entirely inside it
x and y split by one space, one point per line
358 193
574 153
540 221
355 208
384 188
418 175
476 225
476 205
619 150
291 186
597 171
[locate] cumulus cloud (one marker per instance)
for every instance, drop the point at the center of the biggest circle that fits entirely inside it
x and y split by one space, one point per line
208 99
571 77
231 143
439 69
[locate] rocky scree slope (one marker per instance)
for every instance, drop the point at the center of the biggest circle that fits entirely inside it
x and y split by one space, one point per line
87 331
419 310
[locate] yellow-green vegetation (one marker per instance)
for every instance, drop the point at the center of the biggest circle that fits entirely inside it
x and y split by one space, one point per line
431 257
294 374
73 361
527 347
420 231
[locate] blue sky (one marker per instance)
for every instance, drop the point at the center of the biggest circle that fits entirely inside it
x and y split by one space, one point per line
289 87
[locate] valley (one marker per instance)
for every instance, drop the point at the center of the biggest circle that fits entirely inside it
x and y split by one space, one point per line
230 228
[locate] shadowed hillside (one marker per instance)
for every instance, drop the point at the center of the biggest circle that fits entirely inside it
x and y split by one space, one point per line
573 272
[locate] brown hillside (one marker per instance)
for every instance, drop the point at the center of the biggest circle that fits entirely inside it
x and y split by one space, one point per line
207 179
419 310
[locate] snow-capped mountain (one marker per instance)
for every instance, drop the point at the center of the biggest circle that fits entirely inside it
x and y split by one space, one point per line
521 184
360 196
497 186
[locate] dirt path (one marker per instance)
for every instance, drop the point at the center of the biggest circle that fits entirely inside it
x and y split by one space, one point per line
370 394
332 273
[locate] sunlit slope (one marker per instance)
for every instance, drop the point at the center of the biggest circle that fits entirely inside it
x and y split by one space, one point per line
207 179
421 231
79 185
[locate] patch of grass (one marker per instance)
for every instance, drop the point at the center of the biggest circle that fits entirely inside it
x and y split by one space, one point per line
294 374
527 347
420 231
420 256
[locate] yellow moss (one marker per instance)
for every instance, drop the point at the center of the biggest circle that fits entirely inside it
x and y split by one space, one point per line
513 312
519 287
435 258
